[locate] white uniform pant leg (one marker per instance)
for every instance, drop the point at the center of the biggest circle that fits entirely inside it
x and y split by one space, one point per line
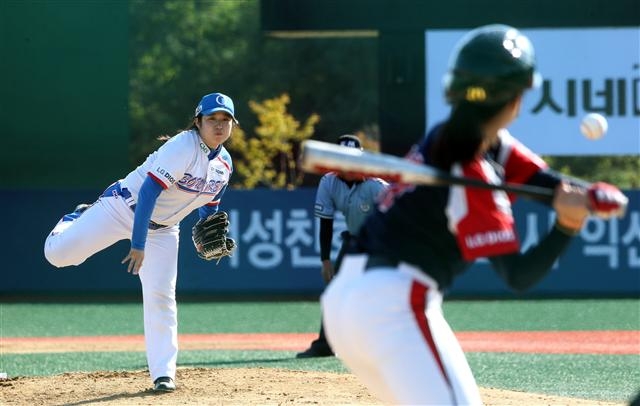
462 380
71 242
158 277
339 324
377 324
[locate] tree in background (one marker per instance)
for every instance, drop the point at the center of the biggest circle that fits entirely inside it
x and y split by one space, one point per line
179 51
623 171
183 49
269 159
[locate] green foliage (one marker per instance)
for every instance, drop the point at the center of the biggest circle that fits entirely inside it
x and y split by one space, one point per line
268 159
183 49
623 171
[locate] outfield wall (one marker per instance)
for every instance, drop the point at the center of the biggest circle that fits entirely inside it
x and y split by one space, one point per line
279 252
64 85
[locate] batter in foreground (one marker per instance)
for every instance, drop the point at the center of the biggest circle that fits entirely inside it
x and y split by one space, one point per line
382 311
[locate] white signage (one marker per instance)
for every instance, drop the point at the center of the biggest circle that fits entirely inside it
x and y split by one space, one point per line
584 70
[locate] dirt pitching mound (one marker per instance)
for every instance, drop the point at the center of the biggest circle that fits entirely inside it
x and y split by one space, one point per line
238 386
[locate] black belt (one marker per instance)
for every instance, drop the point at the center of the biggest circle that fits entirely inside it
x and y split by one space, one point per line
378 261
155 226
117 190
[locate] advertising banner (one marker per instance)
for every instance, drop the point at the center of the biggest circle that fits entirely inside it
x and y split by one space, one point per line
584 70
278 251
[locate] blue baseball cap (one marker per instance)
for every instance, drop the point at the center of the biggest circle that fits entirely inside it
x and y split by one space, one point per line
213 102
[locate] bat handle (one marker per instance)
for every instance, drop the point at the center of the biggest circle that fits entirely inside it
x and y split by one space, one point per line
534 192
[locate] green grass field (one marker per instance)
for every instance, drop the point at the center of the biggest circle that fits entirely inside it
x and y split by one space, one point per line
598 377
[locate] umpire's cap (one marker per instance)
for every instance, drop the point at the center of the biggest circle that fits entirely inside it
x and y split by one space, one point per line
489 65
349 140
213 102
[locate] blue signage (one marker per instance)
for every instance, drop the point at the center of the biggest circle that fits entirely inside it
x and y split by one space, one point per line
581 73
278 251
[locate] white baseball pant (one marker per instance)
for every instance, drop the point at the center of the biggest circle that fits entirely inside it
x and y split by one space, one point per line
386 325
110 220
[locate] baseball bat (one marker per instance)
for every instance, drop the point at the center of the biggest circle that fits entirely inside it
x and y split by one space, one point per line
321 157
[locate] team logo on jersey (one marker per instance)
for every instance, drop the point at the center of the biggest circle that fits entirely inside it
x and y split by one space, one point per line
204 148
365 207
194 184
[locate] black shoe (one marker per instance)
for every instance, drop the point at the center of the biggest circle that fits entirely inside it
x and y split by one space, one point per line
81 208
77 212
164 384
315 352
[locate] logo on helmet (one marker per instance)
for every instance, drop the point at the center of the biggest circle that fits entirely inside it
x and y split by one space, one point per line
475 94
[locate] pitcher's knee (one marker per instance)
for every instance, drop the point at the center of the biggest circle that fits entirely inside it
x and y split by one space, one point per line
53 257
58 257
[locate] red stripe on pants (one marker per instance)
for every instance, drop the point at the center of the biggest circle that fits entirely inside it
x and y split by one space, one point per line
418 305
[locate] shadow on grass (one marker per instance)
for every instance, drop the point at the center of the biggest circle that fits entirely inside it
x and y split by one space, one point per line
248 361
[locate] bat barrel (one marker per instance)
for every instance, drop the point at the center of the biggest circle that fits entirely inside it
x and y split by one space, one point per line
322 157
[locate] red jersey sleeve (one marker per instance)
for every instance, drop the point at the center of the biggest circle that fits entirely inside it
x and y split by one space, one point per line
518 161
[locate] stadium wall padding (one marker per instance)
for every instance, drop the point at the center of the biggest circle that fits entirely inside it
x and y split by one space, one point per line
278 251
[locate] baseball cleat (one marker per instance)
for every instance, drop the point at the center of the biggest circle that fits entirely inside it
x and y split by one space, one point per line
81 208
77 212
315 352
164 384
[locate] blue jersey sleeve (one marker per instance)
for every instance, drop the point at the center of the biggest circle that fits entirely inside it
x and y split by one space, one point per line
149 192
211 208
206 211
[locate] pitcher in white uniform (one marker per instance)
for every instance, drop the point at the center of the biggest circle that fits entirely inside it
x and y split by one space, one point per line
191 170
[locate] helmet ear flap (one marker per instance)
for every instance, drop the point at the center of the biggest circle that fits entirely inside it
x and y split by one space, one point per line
490 65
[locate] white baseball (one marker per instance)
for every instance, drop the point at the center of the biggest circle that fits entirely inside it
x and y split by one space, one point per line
594 126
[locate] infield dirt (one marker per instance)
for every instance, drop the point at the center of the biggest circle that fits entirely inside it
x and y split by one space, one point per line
238 386
268 386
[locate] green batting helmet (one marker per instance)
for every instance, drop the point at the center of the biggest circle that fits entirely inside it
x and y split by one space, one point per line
490 65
